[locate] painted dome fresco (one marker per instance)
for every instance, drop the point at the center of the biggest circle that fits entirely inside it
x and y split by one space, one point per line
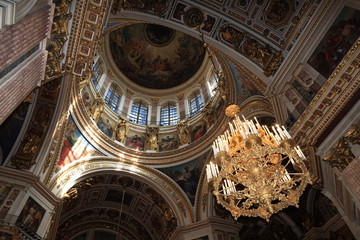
154 56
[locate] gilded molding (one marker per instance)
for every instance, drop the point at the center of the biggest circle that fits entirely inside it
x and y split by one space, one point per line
341 156
330 99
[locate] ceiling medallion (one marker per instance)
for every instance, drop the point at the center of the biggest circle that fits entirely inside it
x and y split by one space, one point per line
158 35
256 171
193 17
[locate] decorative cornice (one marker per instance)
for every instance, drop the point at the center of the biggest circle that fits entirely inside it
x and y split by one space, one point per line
32 180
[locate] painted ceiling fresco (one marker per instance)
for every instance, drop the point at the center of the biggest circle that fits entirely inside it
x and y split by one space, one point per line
155 56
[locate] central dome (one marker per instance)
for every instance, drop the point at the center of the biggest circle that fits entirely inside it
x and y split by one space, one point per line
154 56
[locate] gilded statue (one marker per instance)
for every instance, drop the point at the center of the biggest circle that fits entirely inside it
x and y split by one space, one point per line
353 135
97 108
183 132
59 25
31 145
274 64
122 128
151 138
340 156
208 115
84 80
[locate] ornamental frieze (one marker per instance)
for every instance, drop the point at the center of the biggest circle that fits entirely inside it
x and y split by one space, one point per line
260 53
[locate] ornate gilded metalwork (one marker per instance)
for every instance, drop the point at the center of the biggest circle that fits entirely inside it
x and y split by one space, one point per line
122 129
209 115
353 135
256 172
59 35
27 152
341 156
156 7
262 54
183 132
152 138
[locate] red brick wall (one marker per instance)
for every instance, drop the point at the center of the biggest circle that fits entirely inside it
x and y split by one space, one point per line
19 38
15 41
13 92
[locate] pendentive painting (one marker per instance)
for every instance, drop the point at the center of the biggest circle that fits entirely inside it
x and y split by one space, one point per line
168 142
187 175
337 41
31 215
244 88
135 141
105 125
75 146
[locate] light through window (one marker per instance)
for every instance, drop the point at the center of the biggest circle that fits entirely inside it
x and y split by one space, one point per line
112 98
213 83
168 114
195 103
139 113
95 78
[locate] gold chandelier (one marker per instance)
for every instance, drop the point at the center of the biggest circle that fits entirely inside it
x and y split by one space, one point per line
256 171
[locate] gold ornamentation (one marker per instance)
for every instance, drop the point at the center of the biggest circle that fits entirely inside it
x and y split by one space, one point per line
353 135
156 7
97 107
183 132
152 138
26 155
232 110
262 54
209 116
340 156
256 172
122 129
59 33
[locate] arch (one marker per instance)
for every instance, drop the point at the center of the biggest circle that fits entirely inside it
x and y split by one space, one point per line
81 169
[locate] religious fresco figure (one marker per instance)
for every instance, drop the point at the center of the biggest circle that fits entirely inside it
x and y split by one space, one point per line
336 42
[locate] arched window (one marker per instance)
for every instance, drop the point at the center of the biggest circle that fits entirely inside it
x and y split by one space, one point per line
213 83
113 97
195 103
168 114
139 112
95 78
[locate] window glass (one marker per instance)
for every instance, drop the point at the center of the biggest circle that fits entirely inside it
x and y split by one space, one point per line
195 103
139 113
112 98
168 114
95 78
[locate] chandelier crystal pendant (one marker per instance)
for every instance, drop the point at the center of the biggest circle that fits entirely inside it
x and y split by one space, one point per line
256 171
